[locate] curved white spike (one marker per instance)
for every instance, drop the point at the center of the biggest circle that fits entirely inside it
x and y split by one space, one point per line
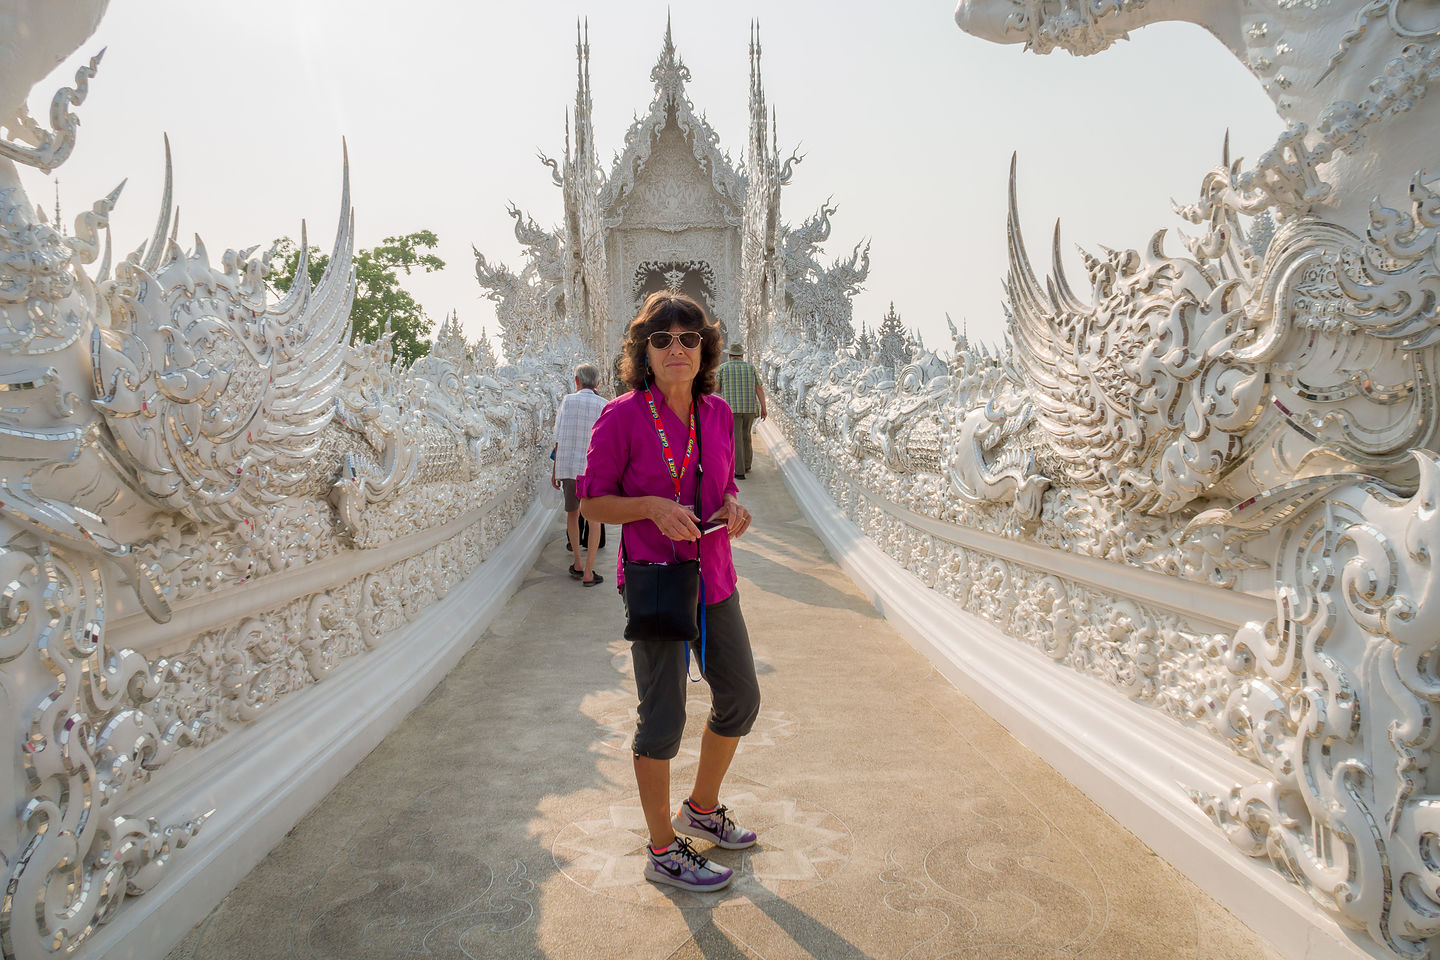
104 273
336 283
299 293
1156 247
1029 320
1025 288
310 369
156 247
107 205
1064 295
344 229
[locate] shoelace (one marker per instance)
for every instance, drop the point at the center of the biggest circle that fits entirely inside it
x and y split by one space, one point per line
685 851
726 824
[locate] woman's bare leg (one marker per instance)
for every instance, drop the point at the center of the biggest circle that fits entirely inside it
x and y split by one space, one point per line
653 778
716 752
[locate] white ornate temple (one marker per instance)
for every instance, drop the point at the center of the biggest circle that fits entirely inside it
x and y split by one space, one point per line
1178 533
675 212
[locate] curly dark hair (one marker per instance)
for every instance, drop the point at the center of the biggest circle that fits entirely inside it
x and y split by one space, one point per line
659 312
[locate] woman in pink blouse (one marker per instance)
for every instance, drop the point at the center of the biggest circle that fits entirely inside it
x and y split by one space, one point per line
654 453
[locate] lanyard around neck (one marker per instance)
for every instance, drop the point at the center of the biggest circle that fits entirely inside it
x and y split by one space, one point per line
675 474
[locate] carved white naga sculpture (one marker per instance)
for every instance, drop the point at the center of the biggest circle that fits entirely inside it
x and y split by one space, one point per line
1287 379
530 305
817 299
664 212
1264 400
171 432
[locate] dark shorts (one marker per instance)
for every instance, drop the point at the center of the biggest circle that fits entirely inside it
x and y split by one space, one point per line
661 682
572 502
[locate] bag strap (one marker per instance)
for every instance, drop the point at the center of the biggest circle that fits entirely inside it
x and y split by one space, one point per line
699 493
699 483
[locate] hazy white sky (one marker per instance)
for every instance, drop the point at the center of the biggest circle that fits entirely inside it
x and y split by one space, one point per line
906 121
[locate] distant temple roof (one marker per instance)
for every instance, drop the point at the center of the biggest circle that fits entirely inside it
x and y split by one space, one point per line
671 102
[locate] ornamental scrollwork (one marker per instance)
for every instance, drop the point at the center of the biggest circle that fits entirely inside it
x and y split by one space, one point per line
1283 410
726 184
90 743
176 433
1338 701
674 273
1252 408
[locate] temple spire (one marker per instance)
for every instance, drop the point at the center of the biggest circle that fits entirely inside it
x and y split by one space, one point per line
758 265
587 65
667 52
669 73
584 129
583 242
758 120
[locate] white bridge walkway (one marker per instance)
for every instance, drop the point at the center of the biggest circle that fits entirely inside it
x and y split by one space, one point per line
895 818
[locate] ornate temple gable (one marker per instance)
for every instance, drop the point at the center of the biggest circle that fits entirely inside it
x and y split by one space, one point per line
671 192
671 110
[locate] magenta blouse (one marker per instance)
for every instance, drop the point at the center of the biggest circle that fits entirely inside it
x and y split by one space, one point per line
625 459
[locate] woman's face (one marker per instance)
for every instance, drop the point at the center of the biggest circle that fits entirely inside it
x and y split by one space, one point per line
676 363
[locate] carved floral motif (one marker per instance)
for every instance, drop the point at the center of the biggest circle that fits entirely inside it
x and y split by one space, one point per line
173 434
1149 654
90 742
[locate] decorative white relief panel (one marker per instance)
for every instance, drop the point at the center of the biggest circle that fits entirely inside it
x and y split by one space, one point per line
175 438
1252 409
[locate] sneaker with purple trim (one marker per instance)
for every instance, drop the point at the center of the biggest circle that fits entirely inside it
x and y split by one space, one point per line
680 866
715 826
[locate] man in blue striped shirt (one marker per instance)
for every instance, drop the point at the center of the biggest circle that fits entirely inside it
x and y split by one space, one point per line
740 387
578 413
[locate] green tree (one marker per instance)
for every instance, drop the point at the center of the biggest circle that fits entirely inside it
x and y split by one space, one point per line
378 295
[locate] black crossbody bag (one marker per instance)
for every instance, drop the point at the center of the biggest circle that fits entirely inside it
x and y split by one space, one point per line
663 601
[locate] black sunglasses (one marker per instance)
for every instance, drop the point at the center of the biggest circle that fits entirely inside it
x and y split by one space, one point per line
661 339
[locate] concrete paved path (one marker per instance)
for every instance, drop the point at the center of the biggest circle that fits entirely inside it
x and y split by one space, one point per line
895 818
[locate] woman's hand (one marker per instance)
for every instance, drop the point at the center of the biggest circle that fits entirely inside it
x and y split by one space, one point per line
737 517
675 521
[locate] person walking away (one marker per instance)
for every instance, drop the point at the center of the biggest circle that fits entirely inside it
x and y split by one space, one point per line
573 422
656 453
740 387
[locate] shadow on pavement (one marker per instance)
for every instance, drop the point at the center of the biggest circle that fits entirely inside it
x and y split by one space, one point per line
814 938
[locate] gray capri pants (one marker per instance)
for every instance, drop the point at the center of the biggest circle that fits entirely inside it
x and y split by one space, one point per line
661 682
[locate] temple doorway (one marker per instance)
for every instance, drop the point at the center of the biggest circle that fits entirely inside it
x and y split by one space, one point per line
694 278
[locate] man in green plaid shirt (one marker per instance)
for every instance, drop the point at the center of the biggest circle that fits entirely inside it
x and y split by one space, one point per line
740 387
